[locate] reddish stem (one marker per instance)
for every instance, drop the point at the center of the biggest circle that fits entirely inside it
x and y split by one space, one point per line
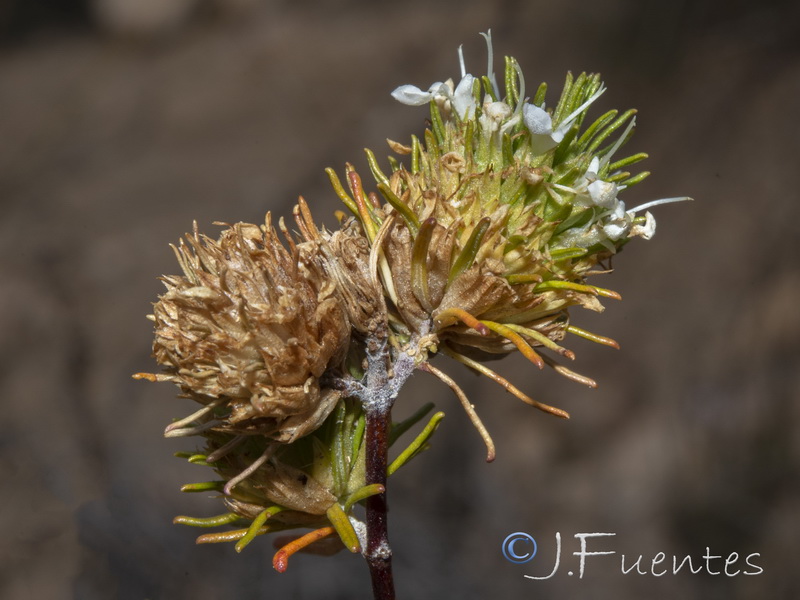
378 553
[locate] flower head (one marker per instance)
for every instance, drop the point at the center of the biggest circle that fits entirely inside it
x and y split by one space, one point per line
486 239
248 330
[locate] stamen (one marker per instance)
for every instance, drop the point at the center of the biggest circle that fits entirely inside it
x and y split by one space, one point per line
653 203
468 407
461 61
516 339
483 370
490 61
281 558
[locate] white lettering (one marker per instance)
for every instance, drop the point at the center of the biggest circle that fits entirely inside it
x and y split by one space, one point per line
749 564
583 553
558 560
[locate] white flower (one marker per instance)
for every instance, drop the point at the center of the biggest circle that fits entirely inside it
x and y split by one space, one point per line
540 124
493 115
648 229
603 194
460 97
411 95
590 190
617 223
613 224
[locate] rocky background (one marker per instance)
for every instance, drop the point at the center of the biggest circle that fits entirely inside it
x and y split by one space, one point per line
122 121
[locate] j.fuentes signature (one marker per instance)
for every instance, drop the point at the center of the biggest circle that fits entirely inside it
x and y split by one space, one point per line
521 547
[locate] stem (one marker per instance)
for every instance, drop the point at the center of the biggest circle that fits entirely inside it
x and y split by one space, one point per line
377 390
378 553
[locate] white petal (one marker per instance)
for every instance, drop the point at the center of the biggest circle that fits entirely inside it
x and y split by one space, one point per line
443 90
540 124
411 95
603 193
537 120
542 143
619 211
463 100
615 230
648 230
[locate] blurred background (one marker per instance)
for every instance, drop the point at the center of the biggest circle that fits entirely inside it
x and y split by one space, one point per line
122 121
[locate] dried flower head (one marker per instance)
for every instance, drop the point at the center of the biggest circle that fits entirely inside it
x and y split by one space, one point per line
344 255
248 330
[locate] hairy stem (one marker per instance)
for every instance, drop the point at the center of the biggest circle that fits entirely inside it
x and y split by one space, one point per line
378 552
